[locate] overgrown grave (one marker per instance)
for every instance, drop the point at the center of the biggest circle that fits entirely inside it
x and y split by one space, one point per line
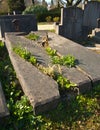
41 89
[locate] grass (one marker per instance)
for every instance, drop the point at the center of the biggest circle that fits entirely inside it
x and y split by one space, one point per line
76 113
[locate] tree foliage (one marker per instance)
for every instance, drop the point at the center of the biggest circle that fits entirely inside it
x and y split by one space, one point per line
69 2
16 5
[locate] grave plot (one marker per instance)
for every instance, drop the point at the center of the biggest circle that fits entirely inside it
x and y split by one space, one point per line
41 89
3 107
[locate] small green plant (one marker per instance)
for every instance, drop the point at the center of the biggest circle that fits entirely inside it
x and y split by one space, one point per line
67 60
22 52
32 60
51 52
48 18
64 82
32 36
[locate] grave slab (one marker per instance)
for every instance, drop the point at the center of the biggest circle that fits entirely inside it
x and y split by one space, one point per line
73 74
88 61
41 89
3 106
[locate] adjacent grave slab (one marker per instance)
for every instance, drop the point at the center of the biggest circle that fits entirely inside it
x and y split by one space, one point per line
3 106
89 61
41 90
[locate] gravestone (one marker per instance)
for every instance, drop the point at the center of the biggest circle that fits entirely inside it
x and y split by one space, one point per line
76 24
71 23
21 23
91 14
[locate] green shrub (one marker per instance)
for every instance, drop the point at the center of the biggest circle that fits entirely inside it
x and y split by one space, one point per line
39 10
16 5
54 12
48 18
56 19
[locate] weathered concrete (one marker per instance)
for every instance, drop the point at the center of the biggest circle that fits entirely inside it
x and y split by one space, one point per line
41 90
3 107
19 23
35 50
89 61
81 79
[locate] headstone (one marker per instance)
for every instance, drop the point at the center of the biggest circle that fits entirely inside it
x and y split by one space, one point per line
71 23
76 24
91 14
13 23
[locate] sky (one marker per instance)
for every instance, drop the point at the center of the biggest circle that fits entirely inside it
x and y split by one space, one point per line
48 1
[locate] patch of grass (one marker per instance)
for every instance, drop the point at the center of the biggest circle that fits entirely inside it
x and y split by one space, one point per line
78 113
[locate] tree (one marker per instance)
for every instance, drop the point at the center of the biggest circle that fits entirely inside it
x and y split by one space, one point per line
44 3
16 5
69 2
63 3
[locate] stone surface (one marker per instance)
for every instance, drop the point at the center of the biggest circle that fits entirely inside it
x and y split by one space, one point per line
41 90
3 106
74 75
31 46
88 61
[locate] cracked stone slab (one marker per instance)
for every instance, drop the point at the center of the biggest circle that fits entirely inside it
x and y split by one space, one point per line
3 106
41 89
74 75
89 61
